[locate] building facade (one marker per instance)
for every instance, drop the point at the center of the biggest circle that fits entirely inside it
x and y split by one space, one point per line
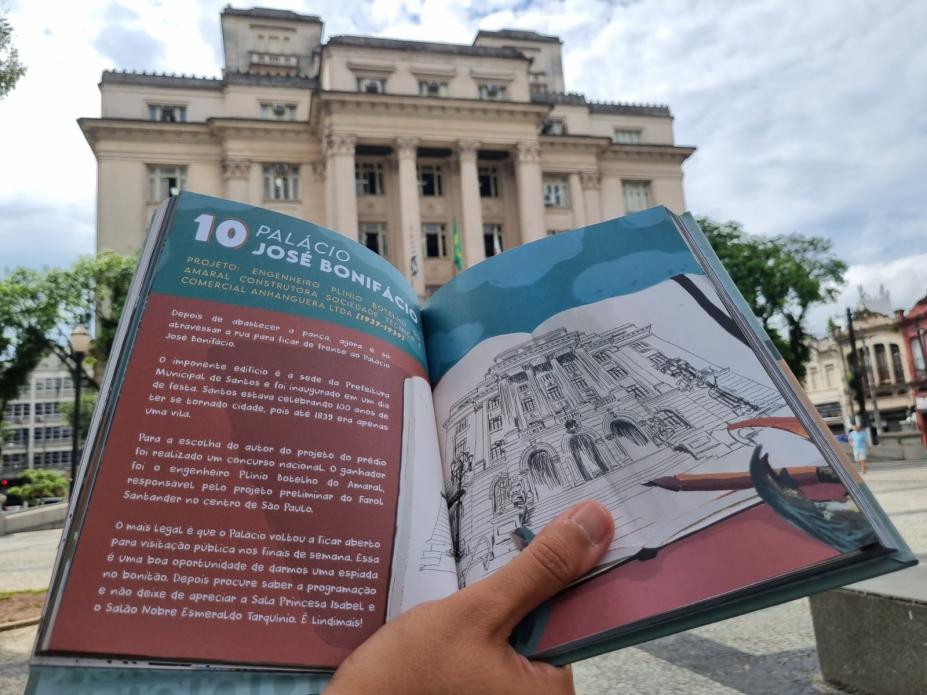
38 434
880 349
913 327
557 418
393 143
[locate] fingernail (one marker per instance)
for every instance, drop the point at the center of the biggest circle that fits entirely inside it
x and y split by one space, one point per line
595 521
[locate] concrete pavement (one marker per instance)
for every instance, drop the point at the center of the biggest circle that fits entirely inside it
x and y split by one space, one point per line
26 559
15 647
766 652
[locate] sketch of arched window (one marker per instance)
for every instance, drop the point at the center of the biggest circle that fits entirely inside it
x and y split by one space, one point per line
628 430
673 420
586 455
737 404
543 468
501 489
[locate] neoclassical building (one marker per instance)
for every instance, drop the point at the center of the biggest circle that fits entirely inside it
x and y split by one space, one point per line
571 415
880 349
394 143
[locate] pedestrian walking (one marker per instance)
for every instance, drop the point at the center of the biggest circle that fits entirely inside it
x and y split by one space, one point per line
860 445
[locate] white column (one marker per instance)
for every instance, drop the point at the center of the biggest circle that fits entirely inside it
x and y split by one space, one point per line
339 181
471 209
236 174
590 182
530 191
410 257
576 201
611 198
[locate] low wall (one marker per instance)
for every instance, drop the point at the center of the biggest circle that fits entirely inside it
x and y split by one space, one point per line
35 519
872 637
895 446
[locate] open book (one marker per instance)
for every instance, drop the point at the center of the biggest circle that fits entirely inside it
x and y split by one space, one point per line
288 451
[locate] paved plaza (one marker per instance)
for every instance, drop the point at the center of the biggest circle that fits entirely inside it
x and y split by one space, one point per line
770 651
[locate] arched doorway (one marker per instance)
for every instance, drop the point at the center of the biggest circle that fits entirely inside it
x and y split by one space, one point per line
625 429
501 491
586 455
543 469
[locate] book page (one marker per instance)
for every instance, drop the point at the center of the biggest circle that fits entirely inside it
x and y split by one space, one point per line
423 559
599 364
241 495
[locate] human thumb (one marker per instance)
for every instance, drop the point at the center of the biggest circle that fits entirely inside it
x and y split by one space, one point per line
568 547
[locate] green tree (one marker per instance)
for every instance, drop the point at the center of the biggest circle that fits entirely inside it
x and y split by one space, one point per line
38 484
10 67
38 309
781 278
88 402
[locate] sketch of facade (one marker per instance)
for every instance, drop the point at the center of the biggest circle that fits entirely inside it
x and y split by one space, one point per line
563 417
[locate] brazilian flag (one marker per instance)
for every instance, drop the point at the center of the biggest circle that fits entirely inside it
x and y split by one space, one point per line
458 250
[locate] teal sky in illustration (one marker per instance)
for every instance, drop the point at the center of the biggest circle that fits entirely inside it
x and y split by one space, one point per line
519 289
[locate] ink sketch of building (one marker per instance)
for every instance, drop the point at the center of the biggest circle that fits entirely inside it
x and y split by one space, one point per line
571 415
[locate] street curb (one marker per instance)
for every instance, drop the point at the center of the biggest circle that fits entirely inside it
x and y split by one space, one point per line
16 624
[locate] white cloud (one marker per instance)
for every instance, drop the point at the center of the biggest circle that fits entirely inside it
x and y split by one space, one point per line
905 279
809 117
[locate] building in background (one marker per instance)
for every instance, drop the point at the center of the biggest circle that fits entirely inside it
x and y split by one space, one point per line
39 435
880 349
913 327
880 303
389 142
826 383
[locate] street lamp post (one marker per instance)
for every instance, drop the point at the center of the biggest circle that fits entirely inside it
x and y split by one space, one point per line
80 346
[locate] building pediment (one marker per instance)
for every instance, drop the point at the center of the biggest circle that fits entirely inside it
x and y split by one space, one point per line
255 128
669 153
213 130
371 68
96 129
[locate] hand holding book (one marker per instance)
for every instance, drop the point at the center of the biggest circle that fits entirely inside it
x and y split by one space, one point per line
460 643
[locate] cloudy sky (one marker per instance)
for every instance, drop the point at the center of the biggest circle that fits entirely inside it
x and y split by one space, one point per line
809 117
